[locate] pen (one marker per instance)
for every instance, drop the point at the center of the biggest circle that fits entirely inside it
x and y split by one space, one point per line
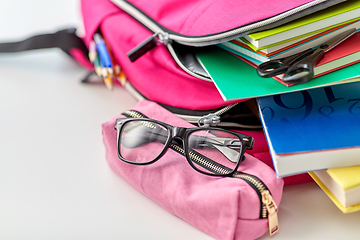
102 51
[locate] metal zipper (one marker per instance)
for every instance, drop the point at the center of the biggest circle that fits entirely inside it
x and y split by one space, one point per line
133 114
166 35
201 119
268 206
201 160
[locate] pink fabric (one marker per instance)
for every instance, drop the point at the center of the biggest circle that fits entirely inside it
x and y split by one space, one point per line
156 75
225 208
199 17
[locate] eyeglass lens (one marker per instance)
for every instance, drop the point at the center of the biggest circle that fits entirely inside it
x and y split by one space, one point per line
210 151
223 148
142 141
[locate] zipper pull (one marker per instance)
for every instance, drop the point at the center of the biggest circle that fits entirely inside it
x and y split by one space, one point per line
271 208
209 120
147 45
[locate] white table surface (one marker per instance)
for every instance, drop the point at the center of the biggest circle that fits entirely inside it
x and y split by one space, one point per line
54 180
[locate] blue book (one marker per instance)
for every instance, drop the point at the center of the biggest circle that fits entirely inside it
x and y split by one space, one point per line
313 129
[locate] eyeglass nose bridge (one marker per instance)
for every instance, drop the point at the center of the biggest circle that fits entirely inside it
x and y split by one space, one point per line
178 132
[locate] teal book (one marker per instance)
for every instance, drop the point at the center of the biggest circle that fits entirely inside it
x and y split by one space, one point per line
314 129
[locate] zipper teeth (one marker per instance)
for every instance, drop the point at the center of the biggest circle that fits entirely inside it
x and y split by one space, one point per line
225 109
133 114
200 160
209 39
259 185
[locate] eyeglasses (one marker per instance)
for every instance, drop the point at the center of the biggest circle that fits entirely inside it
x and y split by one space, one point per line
209 150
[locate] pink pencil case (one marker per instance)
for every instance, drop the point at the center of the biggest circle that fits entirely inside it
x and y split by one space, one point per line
223 207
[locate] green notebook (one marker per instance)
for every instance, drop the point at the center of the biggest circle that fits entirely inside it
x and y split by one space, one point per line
236 79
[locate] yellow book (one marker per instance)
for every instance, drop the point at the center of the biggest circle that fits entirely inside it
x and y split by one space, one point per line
342 185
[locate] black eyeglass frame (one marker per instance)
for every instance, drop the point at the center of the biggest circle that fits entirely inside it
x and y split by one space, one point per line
183 134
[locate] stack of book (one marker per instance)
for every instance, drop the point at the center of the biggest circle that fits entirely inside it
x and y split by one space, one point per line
310 127
304 33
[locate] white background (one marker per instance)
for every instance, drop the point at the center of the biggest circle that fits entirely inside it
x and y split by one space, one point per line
54 180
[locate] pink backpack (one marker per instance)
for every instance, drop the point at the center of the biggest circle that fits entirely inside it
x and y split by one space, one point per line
154 43
167 71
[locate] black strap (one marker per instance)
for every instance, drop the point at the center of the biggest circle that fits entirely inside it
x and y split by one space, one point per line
64 39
